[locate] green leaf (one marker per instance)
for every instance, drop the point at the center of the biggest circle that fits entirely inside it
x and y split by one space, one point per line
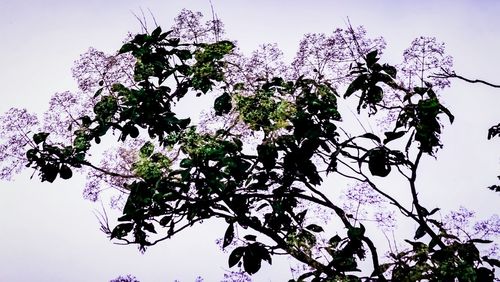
390 70
164 221
371 58
252 258
164 35
314 228
335 240
140 38
267 155
228 236
420 90
370 136
260 251
149 227
262 206
374 95
31 154
40 137
250 237
222 104
494 131
121 230
420 232
378 162
86 121
127 47
390 136
125 217
146 150
133 132
356 232
183 123
431 92
433 211
186 163
98 92
447 112
106 108
300 216
484 274
356 84
49 172
251 264
492 262
156 33
183 54
65 172
481 241
236 256
494 188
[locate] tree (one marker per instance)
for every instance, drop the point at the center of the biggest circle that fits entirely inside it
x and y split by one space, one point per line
260 158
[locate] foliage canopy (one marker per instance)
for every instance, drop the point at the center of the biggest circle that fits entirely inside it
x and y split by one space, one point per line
259 161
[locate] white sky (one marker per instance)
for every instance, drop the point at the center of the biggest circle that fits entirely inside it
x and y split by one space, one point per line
49 233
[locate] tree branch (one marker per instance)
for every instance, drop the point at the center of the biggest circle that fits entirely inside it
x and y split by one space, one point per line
421 220
110 173
447 74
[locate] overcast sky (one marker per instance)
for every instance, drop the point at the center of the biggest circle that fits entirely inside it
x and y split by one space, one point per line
49 232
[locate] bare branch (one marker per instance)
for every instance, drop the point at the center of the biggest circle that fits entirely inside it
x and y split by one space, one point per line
452 74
